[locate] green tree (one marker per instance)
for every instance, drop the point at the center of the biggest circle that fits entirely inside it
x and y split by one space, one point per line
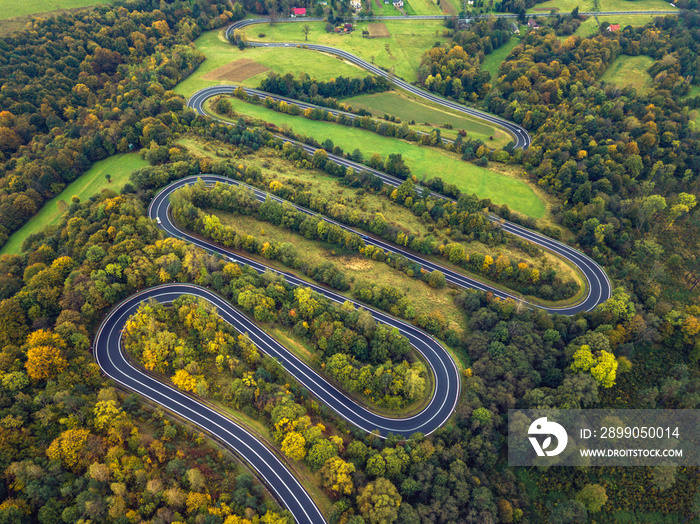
593 497
319 453
379 502
437 279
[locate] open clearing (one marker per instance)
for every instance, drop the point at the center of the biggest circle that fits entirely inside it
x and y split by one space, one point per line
396 104
493 61
630 71
424 162
119 167
406 45
423 297
636 5
220 53
236 71
378 30
566 6
625 20
13 8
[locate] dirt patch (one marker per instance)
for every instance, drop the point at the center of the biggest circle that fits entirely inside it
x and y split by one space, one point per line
236 71
378 30
356 263
447 7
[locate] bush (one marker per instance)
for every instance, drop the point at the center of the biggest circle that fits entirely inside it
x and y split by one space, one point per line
437 280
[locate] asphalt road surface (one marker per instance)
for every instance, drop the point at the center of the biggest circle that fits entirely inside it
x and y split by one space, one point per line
598 286
282 483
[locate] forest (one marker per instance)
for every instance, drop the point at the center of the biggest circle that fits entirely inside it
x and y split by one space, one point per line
622 167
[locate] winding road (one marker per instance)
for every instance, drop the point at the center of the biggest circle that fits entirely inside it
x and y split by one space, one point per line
520 136
282 483
597 283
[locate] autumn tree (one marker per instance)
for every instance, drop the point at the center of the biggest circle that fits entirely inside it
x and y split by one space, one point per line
68 448
336 476
593 497
44 355
379 502
602 367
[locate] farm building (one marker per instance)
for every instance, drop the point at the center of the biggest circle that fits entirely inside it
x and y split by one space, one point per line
614 27
398 3
531 23
298 11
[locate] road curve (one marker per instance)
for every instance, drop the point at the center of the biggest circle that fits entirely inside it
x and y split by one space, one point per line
111 359
520 136
109 356
599 286
444 370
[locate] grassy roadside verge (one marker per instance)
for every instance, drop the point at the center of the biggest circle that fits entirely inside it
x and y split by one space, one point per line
424 162
119 167
220 52
401 51
274 168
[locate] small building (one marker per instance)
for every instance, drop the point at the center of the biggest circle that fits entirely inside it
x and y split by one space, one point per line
462 23
514 28
614 27
298 11
356 5
531 23
397 3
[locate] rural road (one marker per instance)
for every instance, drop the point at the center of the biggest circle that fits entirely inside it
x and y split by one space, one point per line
598 284
282 483
111 359
520 136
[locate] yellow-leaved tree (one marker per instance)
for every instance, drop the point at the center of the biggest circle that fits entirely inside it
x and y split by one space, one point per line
336 475
68 448
294 445
602 367
44 355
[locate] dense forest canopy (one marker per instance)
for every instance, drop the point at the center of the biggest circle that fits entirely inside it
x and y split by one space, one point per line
622 167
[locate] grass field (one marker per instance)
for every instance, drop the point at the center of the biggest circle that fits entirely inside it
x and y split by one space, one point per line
91 183
12 8
219 53
408 106
630 71
398 104
588 28
636 5
356 267
493 61
566 6
273 167
625 20
407 43
424 162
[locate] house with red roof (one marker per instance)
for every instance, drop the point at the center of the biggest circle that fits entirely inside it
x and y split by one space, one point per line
614 27
298 11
